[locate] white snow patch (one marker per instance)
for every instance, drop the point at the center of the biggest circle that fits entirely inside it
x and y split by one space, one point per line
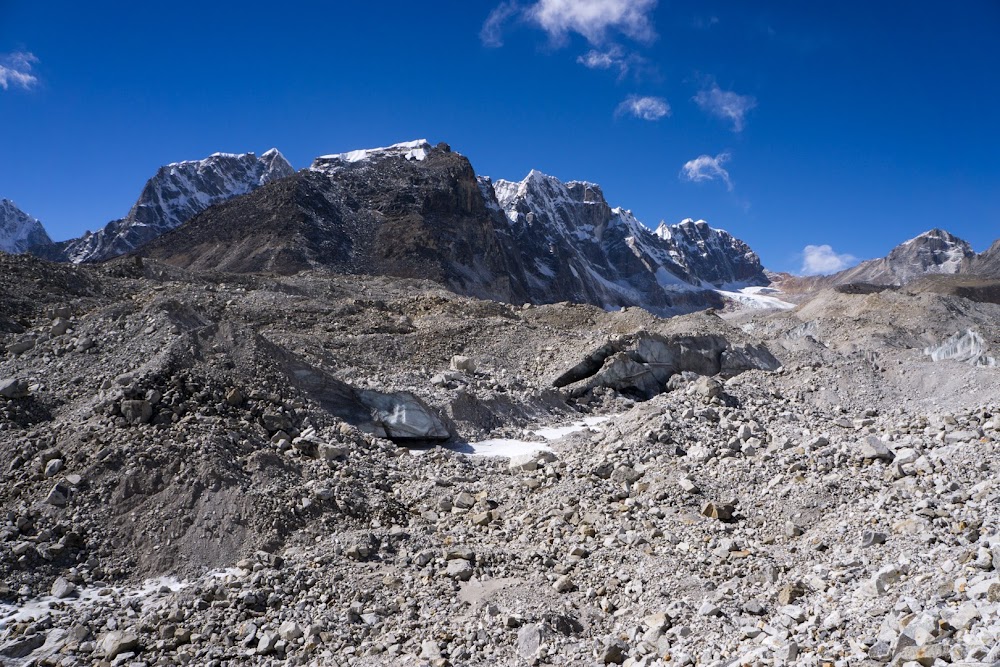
757 298
409 150
504 447
48 605
509 447
558 432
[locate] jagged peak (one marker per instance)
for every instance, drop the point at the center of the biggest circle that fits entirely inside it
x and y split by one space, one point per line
937 234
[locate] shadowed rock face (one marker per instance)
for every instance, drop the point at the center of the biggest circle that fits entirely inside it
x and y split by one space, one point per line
386 215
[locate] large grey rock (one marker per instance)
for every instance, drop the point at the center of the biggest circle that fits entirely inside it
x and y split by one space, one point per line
459 569
402 416
58 496
22 647
642 364
111 644
873 448
21 346
529 639
136 412
62 588
13 388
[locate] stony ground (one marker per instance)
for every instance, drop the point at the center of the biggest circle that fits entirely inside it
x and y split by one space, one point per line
177 488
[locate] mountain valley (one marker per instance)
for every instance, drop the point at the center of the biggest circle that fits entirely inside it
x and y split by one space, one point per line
261 425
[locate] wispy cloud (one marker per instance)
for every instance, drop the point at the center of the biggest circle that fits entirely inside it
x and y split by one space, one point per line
821 260
595 20
15 70
646 108
726 104
707 168
491 33
613 57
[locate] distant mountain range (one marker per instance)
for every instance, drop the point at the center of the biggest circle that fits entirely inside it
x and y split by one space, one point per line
419 211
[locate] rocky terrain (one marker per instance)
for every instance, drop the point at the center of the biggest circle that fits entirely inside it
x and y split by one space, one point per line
292 467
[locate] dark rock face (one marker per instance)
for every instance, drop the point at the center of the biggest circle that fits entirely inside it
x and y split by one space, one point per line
19 232
385 215
175 194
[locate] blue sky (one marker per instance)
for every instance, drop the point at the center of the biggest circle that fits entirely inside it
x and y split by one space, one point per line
851 124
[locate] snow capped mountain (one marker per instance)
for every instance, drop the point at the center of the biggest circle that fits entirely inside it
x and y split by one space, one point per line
933 252
713 255
19 232
604 255
178 192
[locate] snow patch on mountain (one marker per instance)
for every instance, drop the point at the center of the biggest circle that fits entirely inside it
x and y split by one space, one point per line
408 150
19 232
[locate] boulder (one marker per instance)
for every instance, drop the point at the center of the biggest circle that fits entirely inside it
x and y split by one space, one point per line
873 448
401 416
13 388
463 363
21 346
62 588
112 644
136 412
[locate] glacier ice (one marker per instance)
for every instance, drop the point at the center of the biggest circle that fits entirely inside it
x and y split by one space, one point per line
967 346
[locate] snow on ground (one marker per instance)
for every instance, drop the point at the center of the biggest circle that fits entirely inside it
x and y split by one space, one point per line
509 447
47 605
756 297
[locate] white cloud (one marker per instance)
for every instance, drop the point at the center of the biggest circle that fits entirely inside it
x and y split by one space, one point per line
15 70
646 108
707 168
612 57
726 104
491 33
593 19
821 260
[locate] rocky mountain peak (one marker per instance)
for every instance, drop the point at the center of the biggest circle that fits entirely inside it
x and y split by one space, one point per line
714 255
178 192
19 232
934 251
